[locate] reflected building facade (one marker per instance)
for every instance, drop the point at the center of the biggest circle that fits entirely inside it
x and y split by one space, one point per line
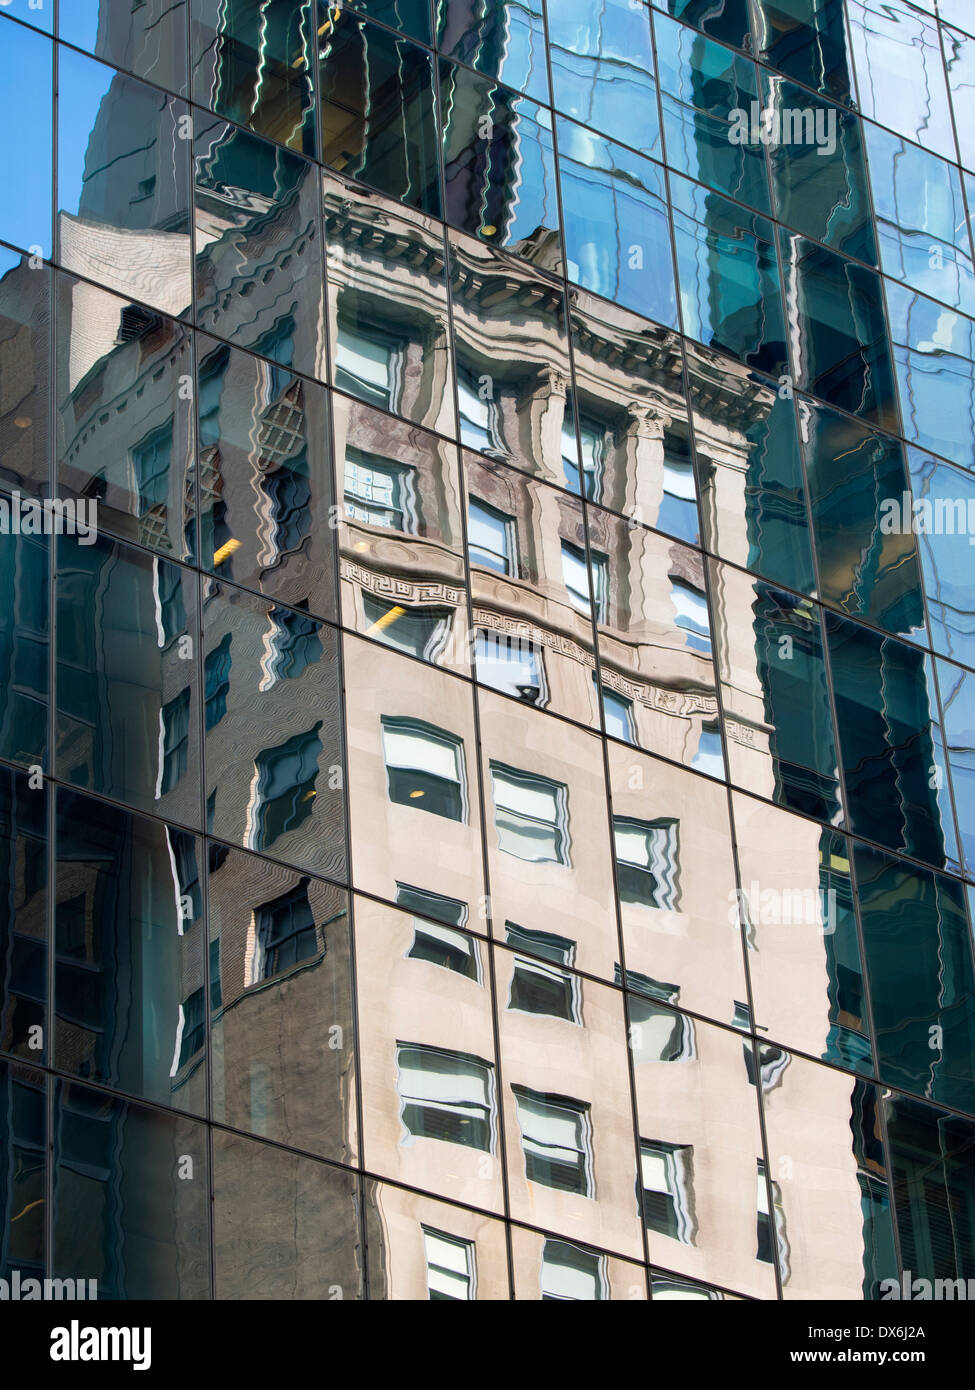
487 816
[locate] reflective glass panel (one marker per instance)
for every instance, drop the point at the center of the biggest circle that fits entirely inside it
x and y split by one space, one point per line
128 932
147 39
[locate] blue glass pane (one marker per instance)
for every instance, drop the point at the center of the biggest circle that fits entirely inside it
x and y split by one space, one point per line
617 240
26 106
504 39
934 354
602 69
704 87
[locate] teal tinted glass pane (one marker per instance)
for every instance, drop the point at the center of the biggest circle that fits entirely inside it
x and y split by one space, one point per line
259 278
944 520
932 1156
24 631
703 85
23 1173
504 39
934 354
887 716
128 712
921 221
117 1190
128 940
123 184
617 240
749 465
25 374
147 38
861 514
273 735
958 702
819 178
900 75
39 13
807 40
959 53
377 112
922 986
839 314
27 107
499 165
410 17
602 69
23 924
729 277
726 20
124 422
785 637
254 64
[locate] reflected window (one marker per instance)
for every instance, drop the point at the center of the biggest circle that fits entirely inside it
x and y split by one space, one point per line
691 604
576 579
666 1175
216 681
175 716
513 665
290 495
531 815
192 1027
556 1137
657 1034
420 632
770 1225
379 492
286 932
480 415
450 1267
491 538
291 646
433 905
284 788
584 474
451 950
618 714
558 949
368 365
425 768
540 988
648 862
709 757
571 1274
151 458
447 1096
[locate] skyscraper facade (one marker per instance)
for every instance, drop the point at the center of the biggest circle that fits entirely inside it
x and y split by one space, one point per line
487 647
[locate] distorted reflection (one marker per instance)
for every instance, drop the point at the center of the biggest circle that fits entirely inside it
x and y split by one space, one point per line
258 248
426 1061
796 905
651 609
400 536
280 1005
123 184
387 302
273 735
125 420
23 933
129 944
265 486
534 638
749 471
